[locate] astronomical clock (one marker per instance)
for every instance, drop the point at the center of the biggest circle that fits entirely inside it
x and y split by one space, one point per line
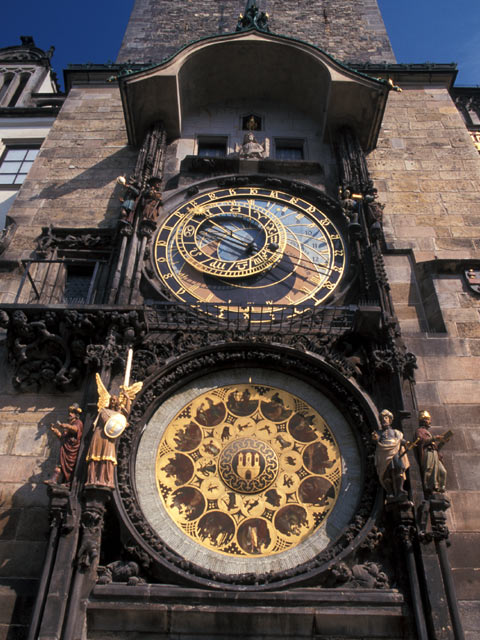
250 465
252 248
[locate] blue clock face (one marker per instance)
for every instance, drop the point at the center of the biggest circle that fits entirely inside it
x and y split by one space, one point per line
250 247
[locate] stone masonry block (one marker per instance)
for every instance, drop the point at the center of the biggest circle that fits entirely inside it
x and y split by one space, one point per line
465 510
29 441
466 583
21 559
15 495
468 329
463 552
460 392
470 612
452 368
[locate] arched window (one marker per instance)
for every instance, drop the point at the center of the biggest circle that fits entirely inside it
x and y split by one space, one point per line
24 78
7 80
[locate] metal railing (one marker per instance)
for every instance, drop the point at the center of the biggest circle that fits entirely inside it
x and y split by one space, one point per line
44 283
253 318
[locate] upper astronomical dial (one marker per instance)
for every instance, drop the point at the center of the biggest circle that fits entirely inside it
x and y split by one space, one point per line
258 249
231 239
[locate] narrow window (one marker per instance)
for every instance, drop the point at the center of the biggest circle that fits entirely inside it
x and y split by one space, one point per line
24 78
7 79
78 284
289 149
212 147
252 122
16 163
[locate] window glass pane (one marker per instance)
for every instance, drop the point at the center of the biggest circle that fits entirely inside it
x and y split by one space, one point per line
78 284
6 179
10 167
26 166
212 149
16 154
289 153
17 163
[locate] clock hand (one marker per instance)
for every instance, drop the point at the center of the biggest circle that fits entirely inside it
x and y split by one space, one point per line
224 230
249 246
219 236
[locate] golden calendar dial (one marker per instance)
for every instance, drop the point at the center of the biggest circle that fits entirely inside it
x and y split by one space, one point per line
249 247
247 470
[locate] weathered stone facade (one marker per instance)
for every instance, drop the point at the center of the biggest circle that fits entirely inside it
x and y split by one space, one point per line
426 171
347 31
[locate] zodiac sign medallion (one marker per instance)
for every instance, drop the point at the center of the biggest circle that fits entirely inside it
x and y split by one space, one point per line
248 470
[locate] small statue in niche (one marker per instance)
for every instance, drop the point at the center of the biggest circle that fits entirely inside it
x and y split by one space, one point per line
70 435
251 148
130 199
152 200
110 423
434 474
391 460
350 206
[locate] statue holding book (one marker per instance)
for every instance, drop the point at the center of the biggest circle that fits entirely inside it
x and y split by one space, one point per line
434 474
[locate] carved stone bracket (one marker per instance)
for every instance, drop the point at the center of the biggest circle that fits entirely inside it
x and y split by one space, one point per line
92 525
252 18
368 575
434 509
402 512
60 513
120 571
7 233
97 242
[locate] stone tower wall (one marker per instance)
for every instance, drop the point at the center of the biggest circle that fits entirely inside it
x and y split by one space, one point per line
347 30
427 171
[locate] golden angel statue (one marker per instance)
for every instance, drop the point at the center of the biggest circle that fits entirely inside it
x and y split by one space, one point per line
110 423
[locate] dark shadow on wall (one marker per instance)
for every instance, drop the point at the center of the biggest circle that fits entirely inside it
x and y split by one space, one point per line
24 512
99 175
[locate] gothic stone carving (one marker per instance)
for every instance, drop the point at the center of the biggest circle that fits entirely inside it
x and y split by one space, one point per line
53 348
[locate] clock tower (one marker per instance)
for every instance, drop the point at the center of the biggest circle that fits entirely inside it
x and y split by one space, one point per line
246 467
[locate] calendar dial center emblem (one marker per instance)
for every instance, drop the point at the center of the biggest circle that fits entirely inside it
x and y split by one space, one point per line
248 465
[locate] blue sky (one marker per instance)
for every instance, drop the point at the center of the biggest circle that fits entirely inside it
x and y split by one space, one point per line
92 30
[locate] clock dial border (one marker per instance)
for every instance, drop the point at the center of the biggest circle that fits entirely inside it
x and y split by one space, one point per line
152 504
291 281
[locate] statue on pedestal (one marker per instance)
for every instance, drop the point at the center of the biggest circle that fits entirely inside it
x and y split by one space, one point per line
391 460
110 423
251 148
70 435
434 474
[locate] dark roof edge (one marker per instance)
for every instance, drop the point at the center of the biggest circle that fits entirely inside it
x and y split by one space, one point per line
129 68
414 72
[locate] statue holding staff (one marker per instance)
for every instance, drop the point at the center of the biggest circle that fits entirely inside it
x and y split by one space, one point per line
111 422
390 459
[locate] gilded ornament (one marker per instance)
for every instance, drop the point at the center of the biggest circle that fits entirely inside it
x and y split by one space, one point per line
246 470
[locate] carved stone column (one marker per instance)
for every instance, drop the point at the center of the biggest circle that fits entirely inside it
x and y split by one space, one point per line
402 513
87 560
52 598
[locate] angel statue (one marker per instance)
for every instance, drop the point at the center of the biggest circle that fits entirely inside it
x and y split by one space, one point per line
110 423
